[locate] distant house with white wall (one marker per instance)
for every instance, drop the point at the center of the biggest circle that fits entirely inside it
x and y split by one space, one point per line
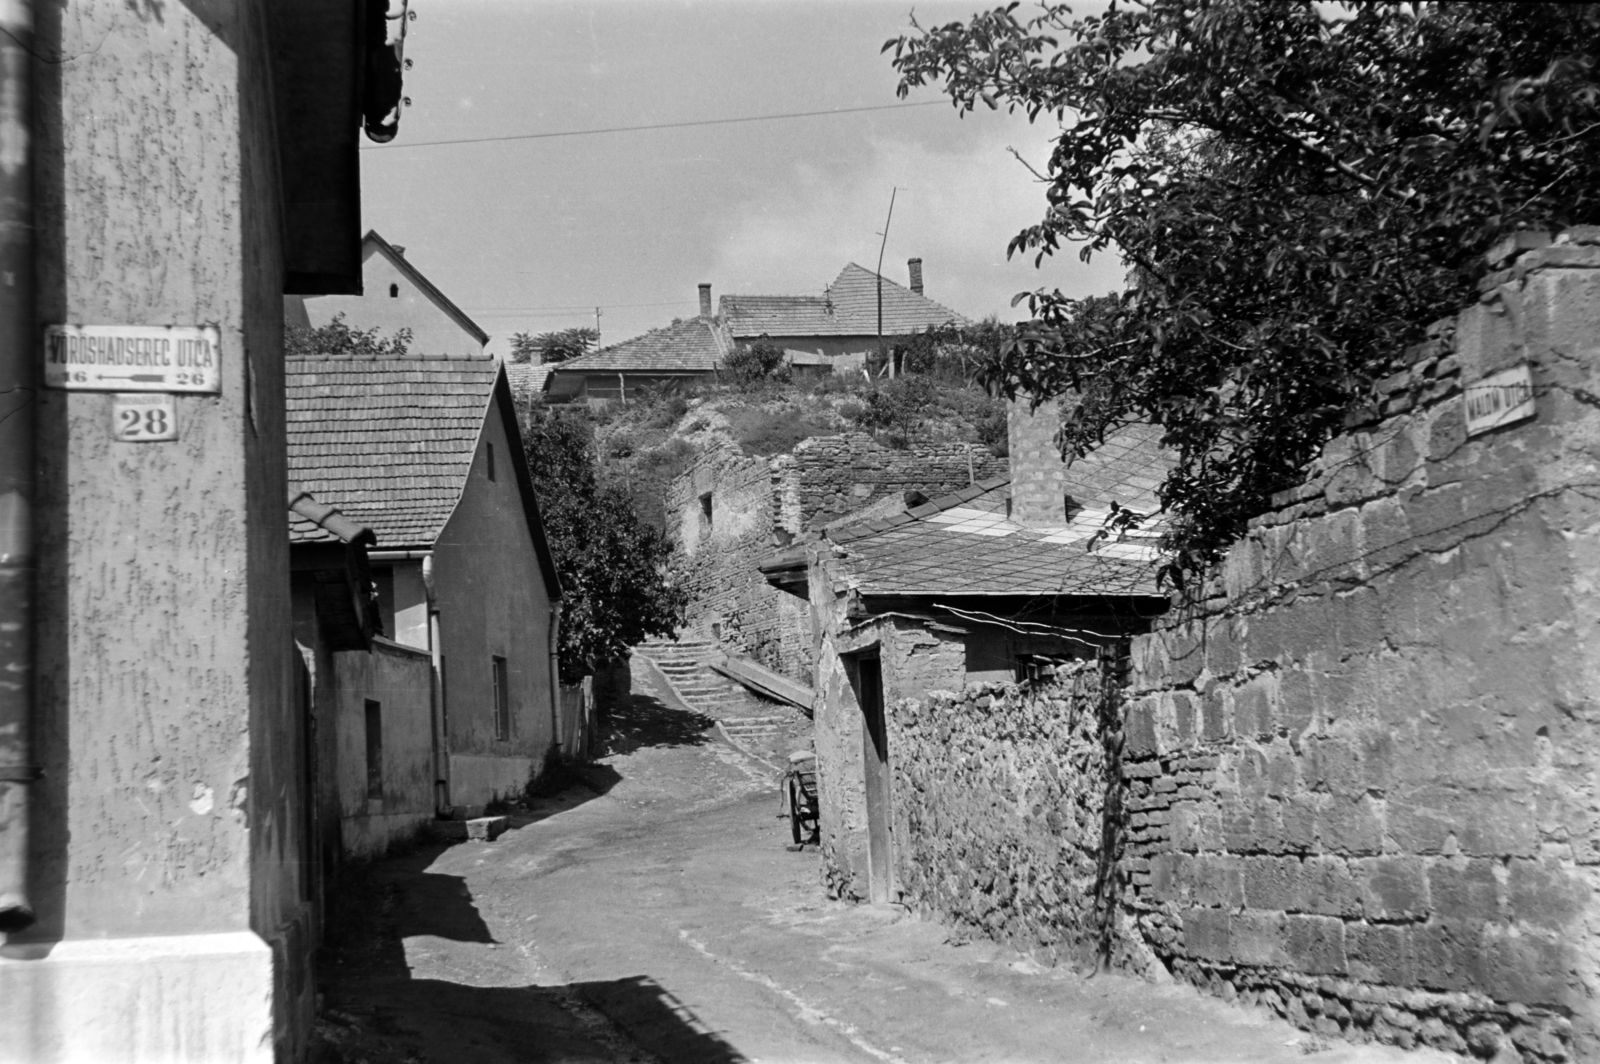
395 295
842 324
426 453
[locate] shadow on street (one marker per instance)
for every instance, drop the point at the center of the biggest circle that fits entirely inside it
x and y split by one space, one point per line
374 1011
644 720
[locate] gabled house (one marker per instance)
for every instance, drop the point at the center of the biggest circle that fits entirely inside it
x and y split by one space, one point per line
426 454
1002 580
395 295
674 356
842 324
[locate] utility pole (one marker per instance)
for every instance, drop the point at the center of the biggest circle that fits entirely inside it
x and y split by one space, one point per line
597 328
881 247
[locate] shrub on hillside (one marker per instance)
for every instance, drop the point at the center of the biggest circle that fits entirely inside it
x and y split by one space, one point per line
760 361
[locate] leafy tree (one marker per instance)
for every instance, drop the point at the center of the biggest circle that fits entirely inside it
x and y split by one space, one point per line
612 565
523 347
556 346
1298 189
337 339
762 360
898 407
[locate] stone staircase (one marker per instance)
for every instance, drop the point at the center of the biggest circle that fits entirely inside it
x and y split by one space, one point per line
742 715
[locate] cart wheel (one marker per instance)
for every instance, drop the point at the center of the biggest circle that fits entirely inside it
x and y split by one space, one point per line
796 804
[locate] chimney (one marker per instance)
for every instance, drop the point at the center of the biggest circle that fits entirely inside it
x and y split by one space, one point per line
705 301
915 266
399 249
1038 475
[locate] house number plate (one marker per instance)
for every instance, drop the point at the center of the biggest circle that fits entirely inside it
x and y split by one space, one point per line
147 417
134 358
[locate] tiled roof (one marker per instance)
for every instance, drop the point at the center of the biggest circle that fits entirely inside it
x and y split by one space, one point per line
850 308
526 378
694 344
965 543
388 441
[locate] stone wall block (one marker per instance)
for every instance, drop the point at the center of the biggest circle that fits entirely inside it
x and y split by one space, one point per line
1446 954
1206 934
1392 888
1296 701
1525 967
1466 888
1350 827
1379 953
1276 883
1331 889
1316 944
1214 713
1495 824
1421 821
1484 339
1562 306
1255 707
1258 937
1544 894
1139 734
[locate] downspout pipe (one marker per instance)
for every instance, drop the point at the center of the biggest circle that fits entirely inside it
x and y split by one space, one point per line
562 741
18 768
441 755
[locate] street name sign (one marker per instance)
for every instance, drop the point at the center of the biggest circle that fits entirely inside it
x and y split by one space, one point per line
1500 399
183 359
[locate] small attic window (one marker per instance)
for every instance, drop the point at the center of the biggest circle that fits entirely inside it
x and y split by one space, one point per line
394 291
705 512
490 463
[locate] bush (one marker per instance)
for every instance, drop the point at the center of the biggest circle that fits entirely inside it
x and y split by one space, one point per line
763 432
760 361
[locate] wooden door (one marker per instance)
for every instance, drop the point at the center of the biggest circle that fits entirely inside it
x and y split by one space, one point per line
875 757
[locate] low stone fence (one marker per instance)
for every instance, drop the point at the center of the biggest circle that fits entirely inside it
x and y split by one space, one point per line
1007 810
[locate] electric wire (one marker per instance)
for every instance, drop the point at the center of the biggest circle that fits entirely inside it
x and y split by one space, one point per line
394 146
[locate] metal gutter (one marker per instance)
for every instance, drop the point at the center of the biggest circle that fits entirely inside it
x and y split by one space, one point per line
18 769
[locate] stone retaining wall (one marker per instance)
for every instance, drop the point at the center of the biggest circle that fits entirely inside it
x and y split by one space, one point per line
1362 773
1358 780
1001 802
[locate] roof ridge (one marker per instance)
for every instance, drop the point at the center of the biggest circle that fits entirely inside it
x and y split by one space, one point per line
861 529
426 285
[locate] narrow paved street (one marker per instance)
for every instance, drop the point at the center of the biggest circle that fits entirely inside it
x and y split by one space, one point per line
653 913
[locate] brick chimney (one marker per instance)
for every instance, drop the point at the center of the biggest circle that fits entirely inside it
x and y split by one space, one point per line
915 268
705 301
1038 475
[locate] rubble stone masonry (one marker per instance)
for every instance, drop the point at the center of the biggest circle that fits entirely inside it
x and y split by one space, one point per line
1356 783
824 479
1361 775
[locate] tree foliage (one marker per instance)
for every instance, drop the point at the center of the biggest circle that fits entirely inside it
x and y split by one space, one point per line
1298 191
557 346
762 360
612 565
336 339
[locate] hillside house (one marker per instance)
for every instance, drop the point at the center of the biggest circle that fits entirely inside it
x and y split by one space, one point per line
841 326
426 453
675 356
1002 580
724 512
394 295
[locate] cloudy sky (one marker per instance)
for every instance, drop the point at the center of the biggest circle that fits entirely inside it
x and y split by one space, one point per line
532 234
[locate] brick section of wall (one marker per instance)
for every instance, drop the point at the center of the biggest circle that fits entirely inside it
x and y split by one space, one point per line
1364 768
1038 475
836 475
824 479
1001 794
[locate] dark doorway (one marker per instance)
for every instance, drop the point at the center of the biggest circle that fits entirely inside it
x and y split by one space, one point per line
875 758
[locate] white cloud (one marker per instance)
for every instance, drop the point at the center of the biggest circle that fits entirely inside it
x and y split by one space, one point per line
957 211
